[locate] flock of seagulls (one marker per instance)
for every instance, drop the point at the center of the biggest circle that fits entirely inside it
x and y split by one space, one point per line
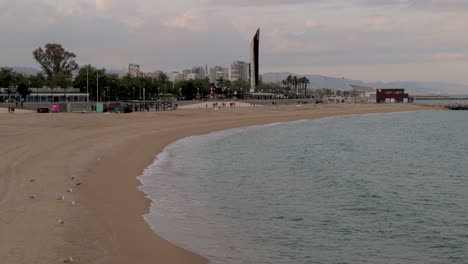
61 198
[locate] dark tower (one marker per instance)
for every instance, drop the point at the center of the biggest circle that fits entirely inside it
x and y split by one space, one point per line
254 51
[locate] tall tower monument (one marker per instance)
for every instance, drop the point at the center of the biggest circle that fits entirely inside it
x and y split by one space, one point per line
254 50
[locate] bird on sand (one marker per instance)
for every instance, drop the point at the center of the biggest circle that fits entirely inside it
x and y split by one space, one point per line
70 190
60 221
33 196
61 198
68 260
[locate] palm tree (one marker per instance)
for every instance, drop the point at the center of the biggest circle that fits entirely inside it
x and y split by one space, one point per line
306 82
295 84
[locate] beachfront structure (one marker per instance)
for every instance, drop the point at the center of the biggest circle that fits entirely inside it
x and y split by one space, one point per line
45 94
361 88
239 71
132 70
254 57
393 96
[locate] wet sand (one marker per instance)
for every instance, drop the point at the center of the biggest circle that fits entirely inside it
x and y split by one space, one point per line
105 153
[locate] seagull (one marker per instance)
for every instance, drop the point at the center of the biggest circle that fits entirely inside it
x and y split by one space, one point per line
60 198
32 180
73 203
70 190
73 177
33 196
68 260
79 183
60 221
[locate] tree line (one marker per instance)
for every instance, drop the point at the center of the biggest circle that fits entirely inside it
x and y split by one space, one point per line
60 70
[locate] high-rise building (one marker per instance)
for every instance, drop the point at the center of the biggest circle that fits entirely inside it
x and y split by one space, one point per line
154 74
132 70
239 70
218 72
175 76
254 57
191 76
200 71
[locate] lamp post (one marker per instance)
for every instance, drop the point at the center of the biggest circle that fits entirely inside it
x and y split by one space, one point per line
87 82
97 86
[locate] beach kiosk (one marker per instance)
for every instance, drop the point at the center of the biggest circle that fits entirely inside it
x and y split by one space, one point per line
57 108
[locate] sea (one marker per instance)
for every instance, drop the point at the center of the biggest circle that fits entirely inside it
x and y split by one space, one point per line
383 188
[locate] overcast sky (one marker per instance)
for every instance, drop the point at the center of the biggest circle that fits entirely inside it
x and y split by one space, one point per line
362 39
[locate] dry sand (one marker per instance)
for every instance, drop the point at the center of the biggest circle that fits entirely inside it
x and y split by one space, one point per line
209 105
105 153
17 111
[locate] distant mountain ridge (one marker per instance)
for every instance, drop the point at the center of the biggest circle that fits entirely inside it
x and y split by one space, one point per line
320 81
26 70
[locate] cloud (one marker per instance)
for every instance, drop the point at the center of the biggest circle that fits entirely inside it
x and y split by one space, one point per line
378 23
449 56
260 2
192 20
429 5
294 47
310 23
103 4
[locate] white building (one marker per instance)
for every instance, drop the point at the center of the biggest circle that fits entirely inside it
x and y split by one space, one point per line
132 69
239 70
217 72
192 76
201 72
176 76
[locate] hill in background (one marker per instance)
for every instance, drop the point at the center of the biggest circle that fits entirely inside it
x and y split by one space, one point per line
320 81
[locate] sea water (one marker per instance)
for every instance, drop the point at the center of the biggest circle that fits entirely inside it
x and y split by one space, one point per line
389 188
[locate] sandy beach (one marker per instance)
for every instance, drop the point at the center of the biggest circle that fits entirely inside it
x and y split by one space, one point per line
105 153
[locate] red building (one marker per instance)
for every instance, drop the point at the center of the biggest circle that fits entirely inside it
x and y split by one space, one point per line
393 96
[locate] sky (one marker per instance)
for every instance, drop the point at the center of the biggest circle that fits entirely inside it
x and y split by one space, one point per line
370 40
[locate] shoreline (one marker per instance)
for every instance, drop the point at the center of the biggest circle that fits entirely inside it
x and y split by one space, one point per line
107 153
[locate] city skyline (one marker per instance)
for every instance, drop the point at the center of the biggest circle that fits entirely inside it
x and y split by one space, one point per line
369 40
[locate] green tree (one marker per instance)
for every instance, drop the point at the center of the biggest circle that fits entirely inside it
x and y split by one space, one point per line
37 80
86 76
240 86
23 90
6 80
60 80
54 59
6 77
190 88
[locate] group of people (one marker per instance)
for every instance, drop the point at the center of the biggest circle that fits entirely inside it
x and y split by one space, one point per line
216 104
